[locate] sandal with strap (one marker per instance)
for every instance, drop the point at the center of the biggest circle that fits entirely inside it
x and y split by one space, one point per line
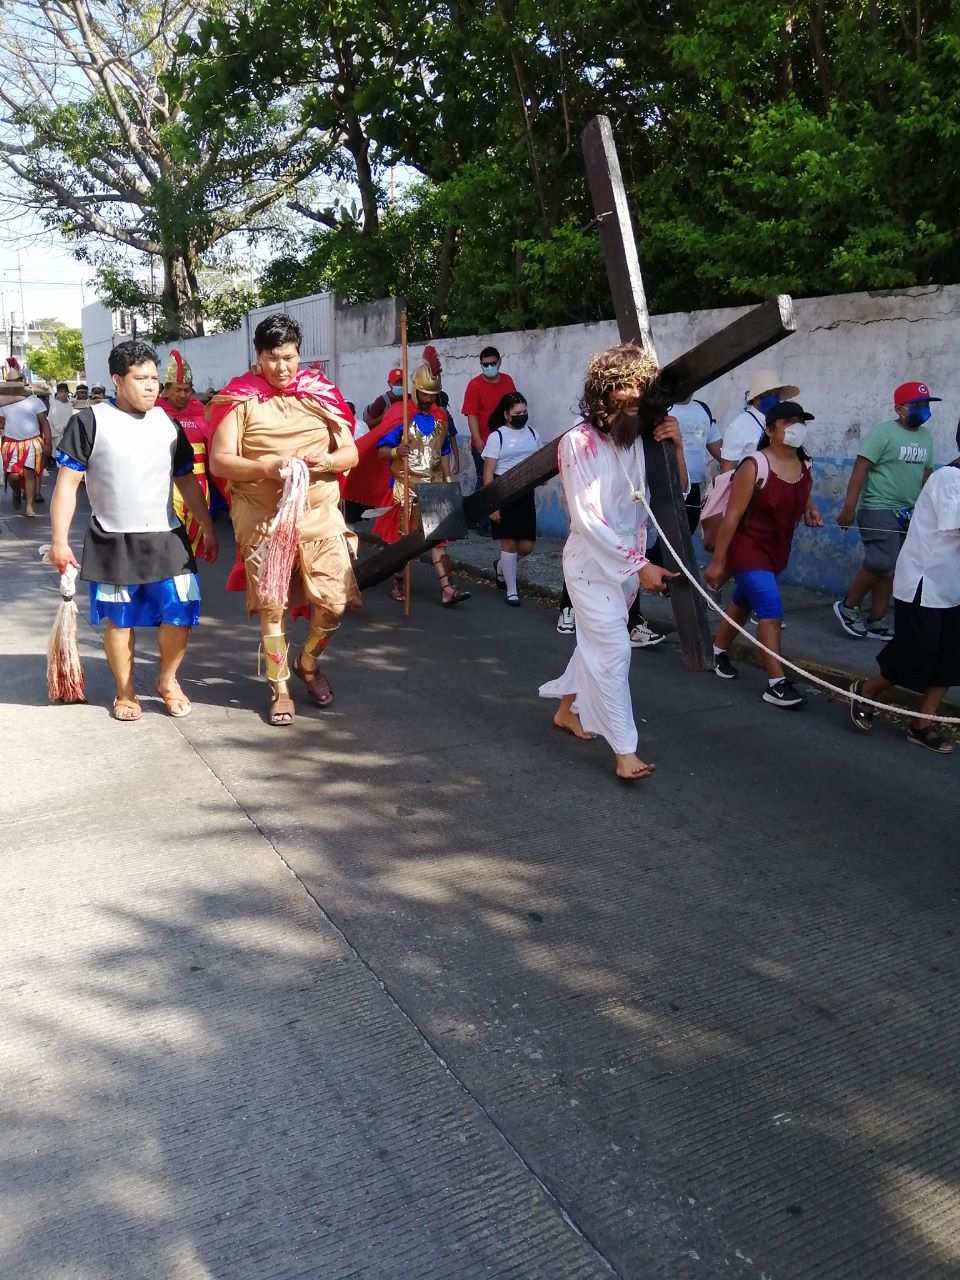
447 585
396 591
318 686
929 738
177 703
281 709
126 710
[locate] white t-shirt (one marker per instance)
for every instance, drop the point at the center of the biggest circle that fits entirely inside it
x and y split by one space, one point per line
59 415
511 446
931 549
698 430
742 435
22 418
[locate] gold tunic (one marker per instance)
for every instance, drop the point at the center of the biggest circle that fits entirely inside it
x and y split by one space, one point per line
290 426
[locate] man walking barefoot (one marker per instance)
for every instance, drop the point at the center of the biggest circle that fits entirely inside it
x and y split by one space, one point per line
604 560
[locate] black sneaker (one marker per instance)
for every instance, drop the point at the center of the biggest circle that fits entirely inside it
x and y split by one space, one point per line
724 667
861 716
783 694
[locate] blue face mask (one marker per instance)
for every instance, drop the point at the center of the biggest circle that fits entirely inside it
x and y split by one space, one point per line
917 415
766 402
490 371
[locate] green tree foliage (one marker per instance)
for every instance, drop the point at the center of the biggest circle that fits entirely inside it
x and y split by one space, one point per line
100 145
57 361
818 152
804 145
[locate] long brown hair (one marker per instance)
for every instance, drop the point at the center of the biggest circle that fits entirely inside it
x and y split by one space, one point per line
622 366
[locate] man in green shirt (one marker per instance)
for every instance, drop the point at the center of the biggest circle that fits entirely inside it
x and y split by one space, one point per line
892 466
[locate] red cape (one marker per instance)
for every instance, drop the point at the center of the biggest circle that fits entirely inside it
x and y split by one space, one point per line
193 419
308 384
370 478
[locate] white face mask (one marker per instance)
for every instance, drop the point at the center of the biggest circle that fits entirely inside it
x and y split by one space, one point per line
795 435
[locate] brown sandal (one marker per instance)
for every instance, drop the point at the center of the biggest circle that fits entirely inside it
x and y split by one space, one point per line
178 704
396 591
447 585
126 704
320 697
281 710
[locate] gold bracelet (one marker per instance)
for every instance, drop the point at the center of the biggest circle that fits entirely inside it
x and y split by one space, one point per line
393 454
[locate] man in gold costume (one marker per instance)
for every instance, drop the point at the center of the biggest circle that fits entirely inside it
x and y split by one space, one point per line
426 453
262 420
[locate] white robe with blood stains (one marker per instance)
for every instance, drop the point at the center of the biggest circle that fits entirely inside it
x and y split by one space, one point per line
601 559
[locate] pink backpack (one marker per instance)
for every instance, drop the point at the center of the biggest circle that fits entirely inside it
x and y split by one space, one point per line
715 507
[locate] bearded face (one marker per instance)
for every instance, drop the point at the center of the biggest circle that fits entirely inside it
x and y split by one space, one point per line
633 411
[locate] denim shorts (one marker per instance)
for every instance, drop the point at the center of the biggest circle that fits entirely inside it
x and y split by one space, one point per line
757 591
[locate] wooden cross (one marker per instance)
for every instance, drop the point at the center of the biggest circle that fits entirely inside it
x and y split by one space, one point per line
739 342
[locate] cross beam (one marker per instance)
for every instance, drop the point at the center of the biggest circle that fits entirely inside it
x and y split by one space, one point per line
740 341
744 339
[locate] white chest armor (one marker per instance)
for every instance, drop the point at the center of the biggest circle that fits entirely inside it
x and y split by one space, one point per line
129 471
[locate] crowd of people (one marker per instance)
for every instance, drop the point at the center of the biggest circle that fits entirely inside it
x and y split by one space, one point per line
152 516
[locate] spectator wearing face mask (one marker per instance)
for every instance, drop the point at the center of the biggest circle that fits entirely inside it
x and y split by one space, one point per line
511 441
483 394
769 496
373 414
745 431
893 464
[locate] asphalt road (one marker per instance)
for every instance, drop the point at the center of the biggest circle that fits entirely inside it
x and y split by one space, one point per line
414 988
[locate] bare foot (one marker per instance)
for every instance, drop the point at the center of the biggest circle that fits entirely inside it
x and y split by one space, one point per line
631 768
569 722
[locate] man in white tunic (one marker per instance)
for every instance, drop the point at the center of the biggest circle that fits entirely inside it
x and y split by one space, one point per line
604 560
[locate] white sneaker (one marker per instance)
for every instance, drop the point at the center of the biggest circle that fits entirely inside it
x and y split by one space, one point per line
642 637
565 623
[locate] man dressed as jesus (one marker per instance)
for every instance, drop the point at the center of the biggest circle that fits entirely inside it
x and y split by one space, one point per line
604 560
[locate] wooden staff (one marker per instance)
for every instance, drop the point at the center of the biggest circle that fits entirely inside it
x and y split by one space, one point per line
406 458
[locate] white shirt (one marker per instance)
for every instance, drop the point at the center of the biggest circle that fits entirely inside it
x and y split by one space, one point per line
22 418
510 446
608 528
698 430
59 415
742 435
931 549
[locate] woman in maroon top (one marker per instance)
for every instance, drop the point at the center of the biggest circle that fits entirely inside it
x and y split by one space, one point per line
753 543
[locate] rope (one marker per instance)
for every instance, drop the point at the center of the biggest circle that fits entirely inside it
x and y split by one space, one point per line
807 675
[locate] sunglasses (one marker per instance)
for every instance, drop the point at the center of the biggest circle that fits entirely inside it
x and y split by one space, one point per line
489 364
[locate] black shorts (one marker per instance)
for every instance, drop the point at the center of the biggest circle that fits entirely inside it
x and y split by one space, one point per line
518 520
925 650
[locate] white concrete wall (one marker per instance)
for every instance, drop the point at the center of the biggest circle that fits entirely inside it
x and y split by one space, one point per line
213 360
849 353
96 328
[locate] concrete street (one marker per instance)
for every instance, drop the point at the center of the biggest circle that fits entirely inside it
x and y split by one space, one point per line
416 989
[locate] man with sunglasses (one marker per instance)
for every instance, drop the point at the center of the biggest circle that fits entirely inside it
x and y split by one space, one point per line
483 394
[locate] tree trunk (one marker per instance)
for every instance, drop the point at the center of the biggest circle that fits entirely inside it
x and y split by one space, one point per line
180 299
448 250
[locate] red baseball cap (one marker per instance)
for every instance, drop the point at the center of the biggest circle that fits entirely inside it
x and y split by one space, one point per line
909 391
394 377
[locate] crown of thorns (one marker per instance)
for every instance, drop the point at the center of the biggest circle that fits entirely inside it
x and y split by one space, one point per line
626 365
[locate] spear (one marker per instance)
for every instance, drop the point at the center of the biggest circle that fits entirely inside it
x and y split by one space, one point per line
406 457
